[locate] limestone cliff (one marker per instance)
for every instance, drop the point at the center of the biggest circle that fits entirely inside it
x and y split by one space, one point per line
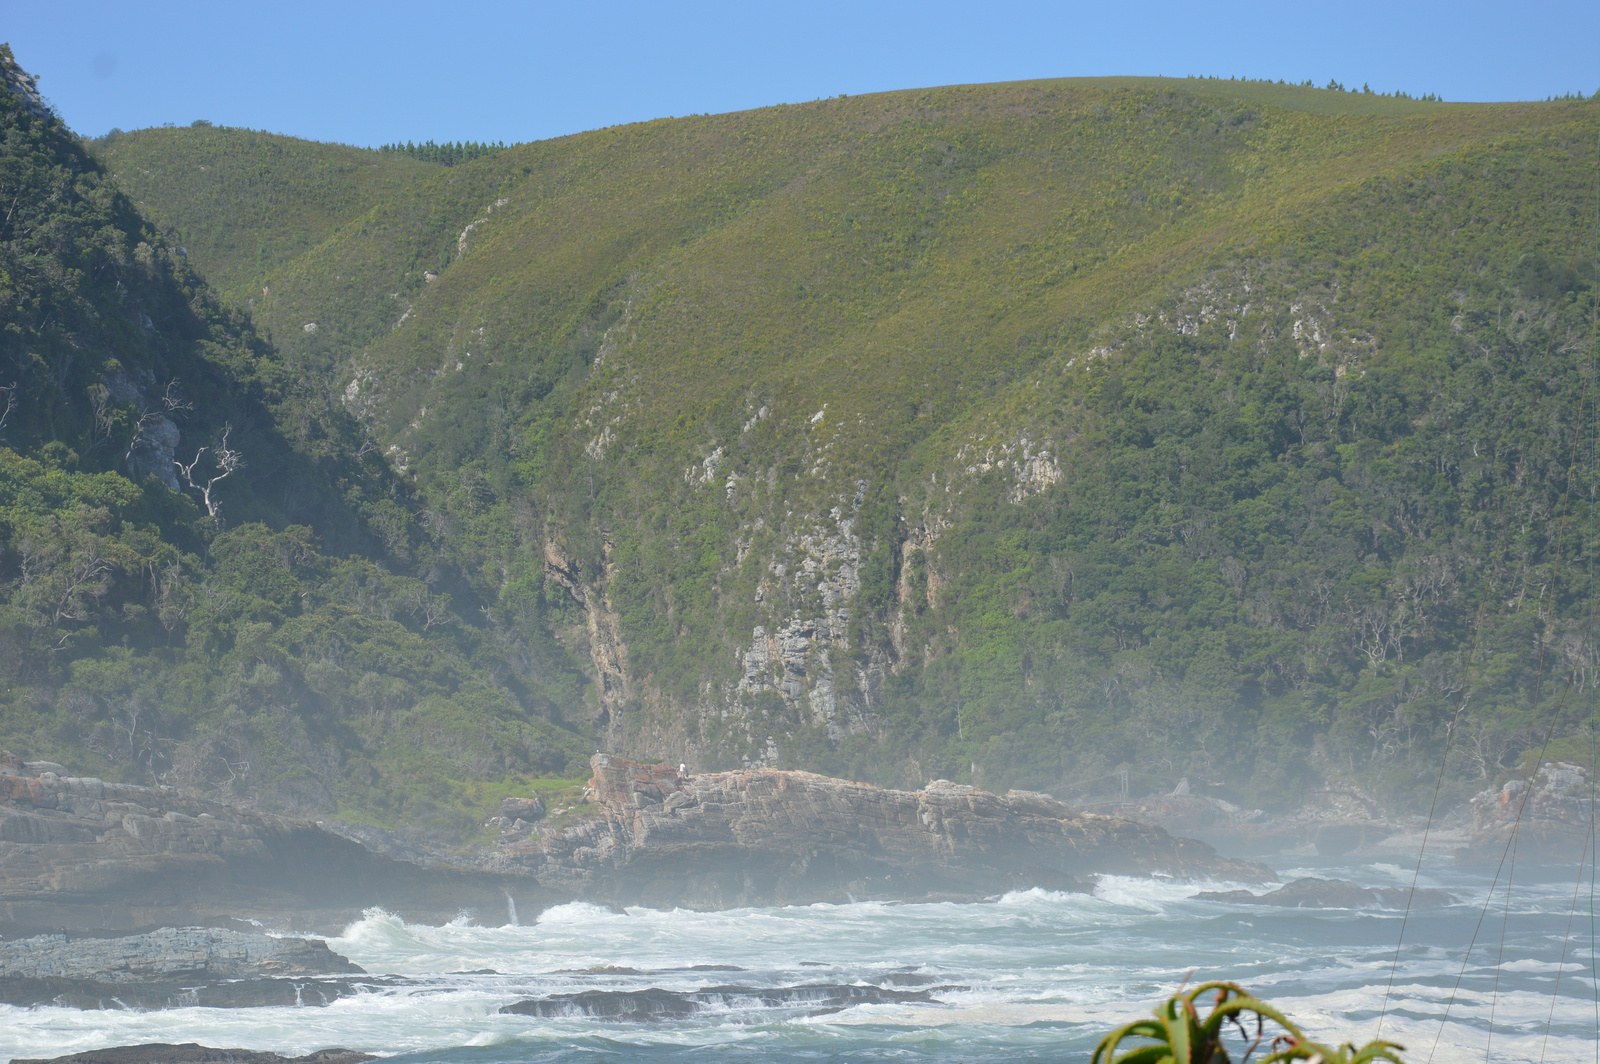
764 837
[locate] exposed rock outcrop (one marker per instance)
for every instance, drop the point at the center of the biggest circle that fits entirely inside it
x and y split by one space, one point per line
169 953
765 837
170 967
1313 893
654 1004
19 82
1549 815
194 1053
81 853
1335 822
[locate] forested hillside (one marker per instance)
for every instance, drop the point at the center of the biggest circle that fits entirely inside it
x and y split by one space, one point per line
203 582
1011 433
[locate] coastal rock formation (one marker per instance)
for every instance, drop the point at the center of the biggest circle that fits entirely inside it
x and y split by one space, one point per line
1313 893
81 853
1549 815
169 967
1333 822
194 1053
169 953
769 837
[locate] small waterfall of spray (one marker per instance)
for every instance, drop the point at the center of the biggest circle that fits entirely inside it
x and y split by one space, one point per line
511 910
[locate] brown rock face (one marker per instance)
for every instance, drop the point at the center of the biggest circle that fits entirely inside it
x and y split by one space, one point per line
1549 815
79 853
766 837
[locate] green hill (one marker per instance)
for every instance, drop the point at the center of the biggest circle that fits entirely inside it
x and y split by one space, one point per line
1012 433
243 204
207 577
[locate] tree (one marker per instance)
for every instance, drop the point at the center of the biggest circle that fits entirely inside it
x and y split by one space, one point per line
225 459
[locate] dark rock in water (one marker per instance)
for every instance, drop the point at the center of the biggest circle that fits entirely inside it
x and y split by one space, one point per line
709 968
1313 893
169 968
195 991
636 1006
194 1053
168 953
654 1003
601 969
770 837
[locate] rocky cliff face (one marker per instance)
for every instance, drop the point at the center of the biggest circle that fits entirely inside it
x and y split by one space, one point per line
80 853
1549 816
765 837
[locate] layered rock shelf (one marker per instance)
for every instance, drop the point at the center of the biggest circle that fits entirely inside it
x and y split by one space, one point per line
79 853
169 967
771 837
194 1053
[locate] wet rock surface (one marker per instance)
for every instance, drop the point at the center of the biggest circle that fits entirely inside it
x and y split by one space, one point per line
1313 893
171 967
194 1053
654 1003
169 952
194 991
771 837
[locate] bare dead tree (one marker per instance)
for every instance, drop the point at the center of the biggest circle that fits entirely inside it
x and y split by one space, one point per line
173 406
88 577
172 400
105 415
227 462
10 392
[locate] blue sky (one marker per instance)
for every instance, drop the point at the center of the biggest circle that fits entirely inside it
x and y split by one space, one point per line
367 73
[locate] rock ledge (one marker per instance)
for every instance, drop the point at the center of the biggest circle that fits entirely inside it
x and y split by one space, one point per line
771 837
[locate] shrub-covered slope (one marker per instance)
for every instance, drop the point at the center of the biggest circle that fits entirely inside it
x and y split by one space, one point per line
1017 433
206 575
242 203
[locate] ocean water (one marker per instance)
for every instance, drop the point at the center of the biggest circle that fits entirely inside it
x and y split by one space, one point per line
1030 976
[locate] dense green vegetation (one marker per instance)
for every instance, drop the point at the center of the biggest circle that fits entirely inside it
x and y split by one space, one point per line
242 203
447 153
1012 433
206 579
1178 1035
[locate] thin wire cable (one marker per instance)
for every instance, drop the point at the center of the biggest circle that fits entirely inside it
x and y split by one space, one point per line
1594 866
1566 940
1544 646
1538 688
1532 772
1466 689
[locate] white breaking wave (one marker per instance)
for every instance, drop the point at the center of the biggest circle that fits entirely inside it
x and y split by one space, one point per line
1032 974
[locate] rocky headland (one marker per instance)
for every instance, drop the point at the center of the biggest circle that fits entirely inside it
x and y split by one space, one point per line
83 854
772 837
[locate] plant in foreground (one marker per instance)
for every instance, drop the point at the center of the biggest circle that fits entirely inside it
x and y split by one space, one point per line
1178 1036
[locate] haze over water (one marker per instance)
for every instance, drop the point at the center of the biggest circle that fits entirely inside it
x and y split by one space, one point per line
1032 976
